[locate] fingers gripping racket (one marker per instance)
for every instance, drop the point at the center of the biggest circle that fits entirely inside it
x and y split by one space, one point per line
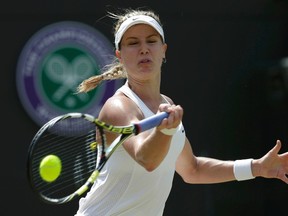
79 142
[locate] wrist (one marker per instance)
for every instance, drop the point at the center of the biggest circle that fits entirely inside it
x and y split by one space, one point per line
169 132
243 169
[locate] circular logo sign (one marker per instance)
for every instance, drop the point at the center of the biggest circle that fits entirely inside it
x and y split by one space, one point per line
54 62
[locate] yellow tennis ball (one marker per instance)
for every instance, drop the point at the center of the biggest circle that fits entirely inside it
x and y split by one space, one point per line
50 168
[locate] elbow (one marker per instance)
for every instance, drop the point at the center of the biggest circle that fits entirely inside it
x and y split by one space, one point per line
149 162
149 165
187 180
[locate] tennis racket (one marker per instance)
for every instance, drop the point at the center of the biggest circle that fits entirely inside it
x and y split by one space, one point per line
79 140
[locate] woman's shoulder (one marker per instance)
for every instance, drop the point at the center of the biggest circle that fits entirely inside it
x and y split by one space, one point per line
119 101
118 109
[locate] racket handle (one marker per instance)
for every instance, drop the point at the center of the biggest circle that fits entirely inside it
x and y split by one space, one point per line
151 121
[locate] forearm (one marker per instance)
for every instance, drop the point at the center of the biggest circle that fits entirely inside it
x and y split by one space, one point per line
211 170
150 149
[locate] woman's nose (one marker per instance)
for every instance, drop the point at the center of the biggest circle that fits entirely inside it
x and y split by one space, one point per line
144 49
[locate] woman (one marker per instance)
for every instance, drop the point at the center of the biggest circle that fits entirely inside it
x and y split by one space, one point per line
138 178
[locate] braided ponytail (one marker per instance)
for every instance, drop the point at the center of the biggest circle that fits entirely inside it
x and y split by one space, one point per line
115 71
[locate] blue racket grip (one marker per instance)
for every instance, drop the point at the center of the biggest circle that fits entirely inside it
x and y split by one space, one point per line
151 122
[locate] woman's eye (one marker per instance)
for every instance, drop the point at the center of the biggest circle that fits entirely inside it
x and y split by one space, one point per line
133 43
152 41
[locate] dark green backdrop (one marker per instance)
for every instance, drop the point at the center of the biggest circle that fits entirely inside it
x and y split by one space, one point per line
223 67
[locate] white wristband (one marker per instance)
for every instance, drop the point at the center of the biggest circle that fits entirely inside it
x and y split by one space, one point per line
169 132
242 169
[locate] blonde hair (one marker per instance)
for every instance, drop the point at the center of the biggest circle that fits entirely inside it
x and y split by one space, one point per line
116 69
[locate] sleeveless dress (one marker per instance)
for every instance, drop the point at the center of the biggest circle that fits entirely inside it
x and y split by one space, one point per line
124 188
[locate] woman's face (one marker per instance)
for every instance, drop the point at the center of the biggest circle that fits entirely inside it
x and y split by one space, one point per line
142 50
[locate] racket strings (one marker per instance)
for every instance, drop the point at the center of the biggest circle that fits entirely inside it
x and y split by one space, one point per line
77 150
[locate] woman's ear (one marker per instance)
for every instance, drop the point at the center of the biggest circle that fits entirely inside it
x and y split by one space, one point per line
118 54
164 50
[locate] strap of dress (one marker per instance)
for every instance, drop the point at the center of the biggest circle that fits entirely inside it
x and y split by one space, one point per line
142 106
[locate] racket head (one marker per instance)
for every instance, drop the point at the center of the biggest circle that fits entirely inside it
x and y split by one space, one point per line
79 140
72 138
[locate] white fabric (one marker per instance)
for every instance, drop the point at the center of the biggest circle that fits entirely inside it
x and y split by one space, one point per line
138 19
170 131
125 188
242 169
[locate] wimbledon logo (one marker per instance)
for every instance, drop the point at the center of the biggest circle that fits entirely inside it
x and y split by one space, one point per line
54 62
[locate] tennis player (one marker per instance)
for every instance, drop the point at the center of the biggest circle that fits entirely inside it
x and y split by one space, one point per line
138 177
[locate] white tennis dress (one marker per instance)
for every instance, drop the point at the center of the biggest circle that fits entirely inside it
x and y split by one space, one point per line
124 188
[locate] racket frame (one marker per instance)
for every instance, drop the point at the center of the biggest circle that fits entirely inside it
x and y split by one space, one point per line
124 132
